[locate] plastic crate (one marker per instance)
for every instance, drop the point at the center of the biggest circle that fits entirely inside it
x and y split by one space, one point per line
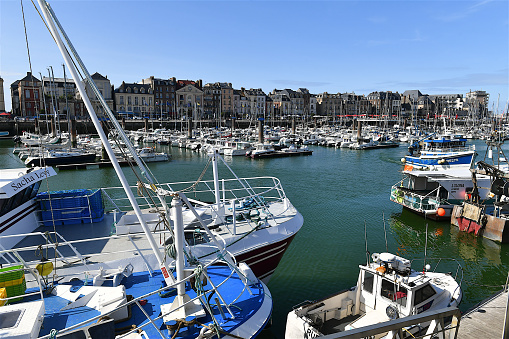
13 291
11 273
71 206
12 279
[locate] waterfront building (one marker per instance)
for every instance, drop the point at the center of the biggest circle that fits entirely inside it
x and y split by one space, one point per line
226 99
164 96
2 98
56 91
256 106
269 108
26 96
241 103
384 103
190 102
477 103
182 83
104 86
306 96
354 105
289 102
134 100
329 104
312 105
211 98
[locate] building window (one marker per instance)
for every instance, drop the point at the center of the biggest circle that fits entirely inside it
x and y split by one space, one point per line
121 100
136 101
27 94
150 101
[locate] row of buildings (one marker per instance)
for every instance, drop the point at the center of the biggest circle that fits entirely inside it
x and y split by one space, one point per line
175 99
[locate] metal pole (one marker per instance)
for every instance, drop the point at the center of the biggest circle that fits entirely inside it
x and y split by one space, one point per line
45 9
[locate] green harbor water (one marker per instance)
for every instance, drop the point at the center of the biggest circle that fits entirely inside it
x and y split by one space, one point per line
340 192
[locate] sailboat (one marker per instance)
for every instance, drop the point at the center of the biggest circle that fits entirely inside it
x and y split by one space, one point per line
129 295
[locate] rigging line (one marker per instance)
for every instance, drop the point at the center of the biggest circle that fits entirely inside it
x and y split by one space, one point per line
26 39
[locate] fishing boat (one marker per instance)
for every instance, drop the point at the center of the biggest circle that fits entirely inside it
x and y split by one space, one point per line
107 294
18 206
433 194
387 289
479 217
439 152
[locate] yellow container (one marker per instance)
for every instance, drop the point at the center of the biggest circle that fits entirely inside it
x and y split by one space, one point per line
11 282
3 295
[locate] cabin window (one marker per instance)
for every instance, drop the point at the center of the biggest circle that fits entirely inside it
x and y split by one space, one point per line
423 294
394 292
368 282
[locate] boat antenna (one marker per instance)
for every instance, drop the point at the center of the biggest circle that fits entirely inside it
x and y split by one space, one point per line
366 242
385 233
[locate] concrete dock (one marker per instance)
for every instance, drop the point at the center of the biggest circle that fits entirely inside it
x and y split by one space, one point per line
486 320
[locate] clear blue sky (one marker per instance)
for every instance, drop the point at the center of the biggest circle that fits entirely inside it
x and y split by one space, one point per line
333 46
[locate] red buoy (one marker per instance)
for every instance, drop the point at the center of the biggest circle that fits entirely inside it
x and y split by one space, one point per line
441 212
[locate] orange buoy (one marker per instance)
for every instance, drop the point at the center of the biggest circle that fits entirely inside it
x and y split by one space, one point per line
441 212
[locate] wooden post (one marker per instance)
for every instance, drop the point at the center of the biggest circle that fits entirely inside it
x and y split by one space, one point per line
53 131
74 139
190 128
260 131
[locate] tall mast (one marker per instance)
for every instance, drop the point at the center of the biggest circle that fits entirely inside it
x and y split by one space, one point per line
51 20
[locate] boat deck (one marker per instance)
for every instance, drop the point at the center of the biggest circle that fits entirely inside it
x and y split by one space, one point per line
335 325
55 318
485 320
99 238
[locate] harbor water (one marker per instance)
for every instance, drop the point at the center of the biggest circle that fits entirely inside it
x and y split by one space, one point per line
340 193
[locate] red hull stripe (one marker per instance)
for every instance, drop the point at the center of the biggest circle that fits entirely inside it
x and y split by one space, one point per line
264 261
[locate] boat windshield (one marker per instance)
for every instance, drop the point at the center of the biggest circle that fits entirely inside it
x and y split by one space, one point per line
394 292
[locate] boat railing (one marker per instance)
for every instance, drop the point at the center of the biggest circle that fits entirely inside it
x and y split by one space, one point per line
396 328
14 258
427 201
202 192
434 264
449 149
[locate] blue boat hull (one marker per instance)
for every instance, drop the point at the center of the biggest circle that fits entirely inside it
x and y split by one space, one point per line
448 160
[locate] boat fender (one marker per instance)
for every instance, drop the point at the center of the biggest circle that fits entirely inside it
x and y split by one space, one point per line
403 160
375 257
392 312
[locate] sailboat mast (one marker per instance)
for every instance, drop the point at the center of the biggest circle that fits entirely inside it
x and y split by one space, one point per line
49 19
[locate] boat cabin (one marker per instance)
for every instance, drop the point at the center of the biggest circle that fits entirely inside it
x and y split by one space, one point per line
387 289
